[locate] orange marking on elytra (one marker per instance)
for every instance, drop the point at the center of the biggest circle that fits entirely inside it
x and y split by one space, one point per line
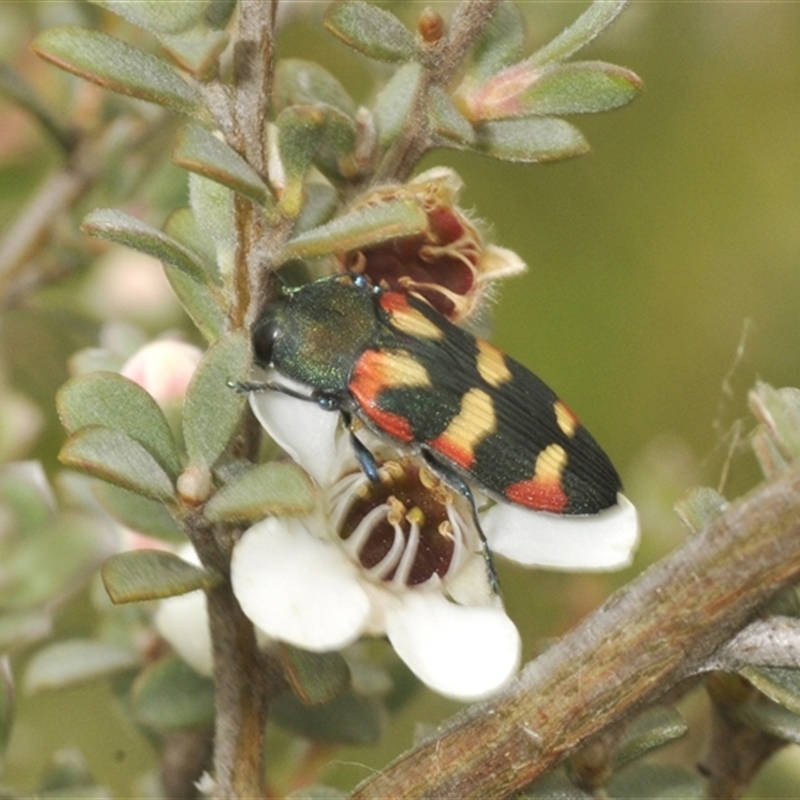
543 491
375 372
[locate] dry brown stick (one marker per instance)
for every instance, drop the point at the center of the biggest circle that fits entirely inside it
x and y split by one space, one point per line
644 640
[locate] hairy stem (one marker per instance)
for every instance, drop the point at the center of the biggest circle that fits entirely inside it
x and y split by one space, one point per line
642 642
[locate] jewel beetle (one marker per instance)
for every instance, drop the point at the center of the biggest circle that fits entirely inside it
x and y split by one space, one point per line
476 416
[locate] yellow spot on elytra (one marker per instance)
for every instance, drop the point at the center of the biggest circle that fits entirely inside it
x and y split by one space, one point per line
566 420
474 422
400 368
550 463
415 323
491 364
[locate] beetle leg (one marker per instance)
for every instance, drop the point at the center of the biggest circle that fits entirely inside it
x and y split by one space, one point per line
363 454
462 487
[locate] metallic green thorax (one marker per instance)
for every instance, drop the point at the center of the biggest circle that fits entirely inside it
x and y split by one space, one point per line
315 335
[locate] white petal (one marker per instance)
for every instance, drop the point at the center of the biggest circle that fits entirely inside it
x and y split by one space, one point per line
183 622
462 652
595 542
311 435
298 588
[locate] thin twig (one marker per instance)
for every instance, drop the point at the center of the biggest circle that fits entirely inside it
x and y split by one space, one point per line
444 58
644 640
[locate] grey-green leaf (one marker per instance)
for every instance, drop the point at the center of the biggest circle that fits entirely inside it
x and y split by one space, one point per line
554 786
299 82
652 728
656 782
394 101
112 401
700 507
48 564
499 44
447 120
772 718
138 513
159 16
199 151
531 140
370 30
116 65
583 87
212 410
593 21
76 661
360 228
779 684
117 226
169 695
137 575
315 677
349 718
116 457
273 488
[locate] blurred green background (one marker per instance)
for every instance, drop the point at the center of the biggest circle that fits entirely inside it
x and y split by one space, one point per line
652 259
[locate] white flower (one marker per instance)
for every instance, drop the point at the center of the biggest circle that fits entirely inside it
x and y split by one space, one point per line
400 558
163 368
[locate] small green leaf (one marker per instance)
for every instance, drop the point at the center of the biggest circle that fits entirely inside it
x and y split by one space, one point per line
76 661
447 120
779 684
303 132
197 51
212 410
701 507
370 30
212 206
170 696
273 488
394 101
137 575
347 719
159 16
778 411
530 140
656 782
112 401
320 205
315 677
500 43
117 226
584 87
652 728
199 151
182 226
773 718
50 563
138 513
203 301
118 458
26 495
593 21
554 786
299 83
118 66
360 228
18 629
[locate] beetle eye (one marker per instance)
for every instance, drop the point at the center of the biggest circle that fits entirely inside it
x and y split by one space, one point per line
264 336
